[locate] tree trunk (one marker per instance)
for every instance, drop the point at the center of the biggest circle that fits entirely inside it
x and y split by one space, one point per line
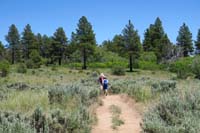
84 59
27 53
185 53
59 61
60 58
13 56
130 63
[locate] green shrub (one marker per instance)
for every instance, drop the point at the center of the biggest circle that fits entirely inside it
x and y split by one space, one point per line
196 66
110 64
118 71
39 121
176 113
139 93
21 68
85 93
4 68
97 65
56 94
147 65
134 88
18 86
11 122
29 64
107 64
148 57
75 65
35 60
54 68
163 86
182 67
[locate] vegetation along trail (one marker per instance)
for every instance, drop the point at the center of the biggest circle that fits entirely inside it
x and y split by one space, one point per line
129 116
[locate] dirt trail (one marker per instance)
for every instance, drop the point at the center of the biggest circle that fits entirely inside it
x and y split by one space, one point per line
129 115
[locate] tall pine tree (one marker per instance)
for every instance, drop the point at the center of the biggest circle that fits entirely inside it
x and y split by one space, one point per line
1 50
132 43
85 38
46 48
28 41
184 40
154 39
59 44
197 42
13 38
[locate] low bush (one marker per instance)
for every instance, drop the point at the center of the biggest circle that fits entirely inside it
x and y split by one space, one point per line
147 65
134 88
182 67
4 68
196 66
85 93
54 68
163 86
11 122
3 93
75 65
21 68
29 64
18 86
176 113
141 89
39 121
35 60
118 71
148 57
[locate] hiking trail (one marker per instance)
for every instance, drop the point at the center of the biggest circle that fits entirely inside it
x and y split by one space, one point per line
129 114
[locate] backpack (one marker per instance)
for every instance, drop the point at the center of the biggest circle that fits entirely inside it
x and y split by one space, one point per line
105 81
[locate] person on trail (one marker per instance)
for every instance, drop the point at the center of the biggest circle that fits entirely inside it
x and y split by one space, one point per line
101 77
105 86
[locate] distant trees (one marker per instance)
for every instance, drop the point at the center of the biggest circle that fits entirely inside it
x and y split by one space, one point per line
13 39
85 39
35 49
132 44
184 40
59 44
28 41
197 42
156 40
1 50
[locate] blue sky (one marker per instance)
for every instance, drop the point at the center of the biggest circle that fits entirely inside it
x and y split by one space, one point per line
108 17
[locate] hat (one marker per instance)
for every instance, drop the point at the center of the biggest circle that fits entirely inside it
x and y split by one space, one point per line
102 75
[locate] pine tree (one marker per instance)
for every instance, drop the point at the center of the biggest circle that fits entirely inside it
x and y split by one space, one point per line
164 48
13 38
116 45
197 42
39 42
46 47
28 41
154 39
184 40
85 38
59 44
73 46
147 43
132 43
1 50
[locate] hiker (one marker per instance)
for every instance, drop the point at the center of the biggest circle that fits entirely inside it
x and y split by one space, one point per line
105 86
101 80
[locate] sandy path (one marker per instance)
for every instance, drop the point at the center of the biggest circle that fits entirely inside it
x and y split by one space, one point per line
129 115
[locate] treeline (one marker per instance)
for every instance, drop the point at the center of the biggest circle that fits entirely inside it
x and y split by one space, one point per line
36 49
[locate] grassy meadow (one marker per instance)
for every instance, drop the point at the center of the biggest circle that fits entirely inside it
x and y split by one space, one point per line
61 99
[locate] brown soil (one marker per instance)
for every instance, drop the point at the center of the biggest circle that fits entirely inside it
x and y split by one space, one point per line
129 114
